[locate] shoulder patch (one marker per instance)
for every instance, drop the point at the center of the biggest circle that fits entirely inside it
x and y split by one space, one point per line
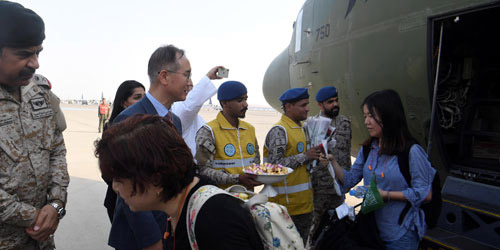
279 142
209 146
41 81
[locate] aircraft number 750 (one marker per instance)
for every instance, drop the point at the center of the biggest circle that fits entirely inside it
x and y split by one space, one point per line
323 32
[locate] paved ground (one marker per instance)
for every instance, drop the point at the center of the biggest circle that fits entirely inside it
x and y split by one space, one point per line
86 225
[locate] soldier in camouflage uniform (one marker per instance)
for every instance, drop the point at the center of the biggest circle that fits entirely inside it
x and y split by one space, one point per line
33 172
227 144
287 143
325 197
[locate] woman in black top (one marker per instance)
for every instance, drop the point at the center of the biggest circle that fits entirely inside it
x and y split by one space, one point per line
153 169
127 94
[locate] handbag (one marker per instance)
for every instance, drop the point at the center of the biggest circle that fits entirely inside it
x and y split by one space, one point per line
344 234
272 221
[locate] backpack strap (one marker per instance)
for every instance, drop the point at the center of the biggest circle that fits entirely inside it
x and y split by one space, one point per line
366 152
404 168
197 200
404 164
256 199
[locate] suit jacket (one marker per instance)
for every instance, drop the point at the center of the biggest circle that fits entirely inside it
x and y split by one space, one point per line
137 230
144 106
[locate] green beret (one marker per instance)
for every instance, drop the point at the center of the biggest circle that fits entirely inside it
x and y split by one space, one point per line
21 27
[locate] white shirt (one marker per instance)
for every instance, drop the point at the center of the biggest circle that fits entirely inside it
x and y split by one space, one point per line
188 110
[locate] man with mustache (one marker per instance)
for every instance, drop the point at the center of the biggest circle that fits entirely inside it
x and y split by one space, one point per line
227 144
287 143
33 170
325 197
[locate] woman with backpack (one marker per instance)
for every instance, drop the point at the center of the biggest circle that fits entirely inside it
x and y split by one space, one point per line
389 137
153 169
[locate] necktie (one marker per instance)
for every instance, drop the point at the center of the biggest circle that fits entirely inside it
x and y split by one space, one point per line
169 117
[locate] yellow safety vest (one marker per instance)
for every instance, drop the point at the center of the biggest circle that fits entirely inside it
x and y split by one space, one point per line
234 147
296 194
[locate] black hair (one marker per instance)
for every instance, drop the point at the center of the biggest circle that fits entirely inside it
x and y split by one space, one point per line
122 94
389 108
293 102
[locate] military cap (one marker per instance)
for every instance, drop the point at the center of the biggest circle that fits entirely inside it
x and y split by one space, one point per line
326 93
231 90
294 94
20 27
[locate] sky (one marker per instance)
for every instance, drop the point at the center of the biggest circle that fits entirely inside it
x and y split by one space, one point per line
91 47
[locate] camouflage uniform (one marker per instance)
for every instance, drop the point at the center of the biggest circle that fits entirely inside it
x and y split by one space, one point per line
276 143
205 152
325 197
276 140
33 168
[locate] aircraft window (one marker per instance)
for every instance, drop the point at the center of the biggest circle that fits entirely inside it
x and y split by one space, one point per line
298 32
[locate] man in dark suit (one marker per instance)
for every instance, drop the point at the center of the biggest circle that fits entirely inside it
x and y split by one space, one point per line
169 72
146 106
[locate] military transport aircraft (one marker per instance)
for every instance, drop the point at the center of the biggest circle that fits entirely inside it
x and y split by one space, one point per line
443 57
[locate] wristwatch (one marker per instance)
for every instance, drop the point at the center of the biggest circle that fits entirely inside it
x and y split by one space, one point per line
60 209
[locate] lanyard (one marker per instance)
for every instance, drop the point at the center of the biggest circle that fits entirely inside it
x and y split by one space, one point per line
371 161
181 203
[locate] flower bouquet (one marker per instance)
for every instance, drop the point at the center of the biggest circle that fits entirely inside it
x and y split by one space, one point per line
321 135
318 129
336 185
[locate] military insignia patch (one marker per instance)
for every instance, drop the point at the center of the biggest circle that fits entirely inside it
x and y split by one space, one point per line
5 119
250 148
42 114
38 103
300 147
209 146
229 149
280 142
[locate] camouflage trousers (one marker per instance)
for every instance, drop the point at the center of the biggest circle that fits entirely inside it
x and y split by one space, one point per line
322 202
302 222
26 243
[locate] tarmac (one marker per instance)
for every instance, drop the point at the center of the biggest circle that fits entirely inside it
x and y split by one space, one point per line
86 224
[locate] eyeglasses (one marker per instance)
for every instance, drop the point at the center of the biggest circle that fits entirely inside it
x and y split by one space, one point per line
185 74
